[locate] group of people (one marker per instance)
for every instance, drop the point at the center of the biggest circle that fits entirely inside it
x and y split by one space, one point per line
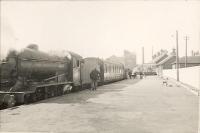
134 75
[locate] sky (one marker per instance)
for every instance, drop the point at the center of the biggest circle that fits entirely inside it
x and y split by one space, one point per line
100 28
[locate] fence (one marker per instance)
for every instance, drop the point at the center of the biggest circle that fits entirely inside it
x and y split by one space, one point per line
189 75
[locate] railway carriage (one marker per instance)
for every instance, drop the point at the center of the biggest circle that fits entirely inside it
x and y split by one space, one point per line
113 71
90 64
109 71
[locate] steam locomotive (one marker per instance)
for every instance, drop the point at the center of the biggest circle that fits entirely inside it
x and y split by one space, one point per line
33 75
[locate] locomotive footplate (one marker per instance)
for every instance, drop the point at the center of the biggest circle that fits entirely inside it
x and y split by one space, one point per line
10 99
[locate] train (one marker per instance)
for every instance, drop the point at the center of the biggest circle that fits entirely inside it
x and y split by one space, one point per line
32 75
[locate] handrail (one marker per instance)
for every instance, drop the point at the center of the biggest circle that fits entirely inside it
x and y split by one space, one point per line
54 77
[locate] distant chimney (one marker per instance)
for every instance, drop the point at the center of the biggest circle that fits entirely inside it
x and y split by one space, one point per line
142 55
173 51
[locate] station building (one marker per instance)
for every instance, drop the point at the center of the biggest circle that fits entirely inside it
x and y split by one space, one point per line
191 61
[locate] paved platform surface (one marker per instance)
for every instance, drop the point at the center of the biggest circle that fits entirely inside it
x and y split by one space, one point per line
129 106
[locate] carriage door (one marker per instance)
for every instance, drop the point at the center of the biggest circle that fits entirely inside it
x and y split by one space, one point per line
76 72
101 72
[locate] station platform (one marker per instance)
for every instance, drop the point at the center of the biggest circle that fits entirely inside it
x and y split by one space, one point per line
128 106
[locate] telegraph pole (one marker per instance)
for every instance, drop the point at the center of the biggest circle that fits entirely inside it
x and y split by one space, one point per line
152 54
186 39
177 56
142 55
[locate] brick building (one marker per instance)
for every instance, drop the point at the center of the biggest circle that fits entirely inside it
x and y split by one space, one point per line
129 59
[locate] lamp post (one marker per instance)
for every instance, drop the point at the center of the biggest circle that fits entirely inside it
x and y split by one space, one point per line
199 104
199 111
177 57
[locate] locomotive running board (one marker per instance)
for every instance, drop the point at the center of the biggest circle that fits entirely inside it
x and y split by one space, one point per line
52 84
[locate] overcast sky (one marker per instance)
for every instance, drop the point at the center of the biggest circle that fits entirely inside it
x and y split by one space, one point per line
100 28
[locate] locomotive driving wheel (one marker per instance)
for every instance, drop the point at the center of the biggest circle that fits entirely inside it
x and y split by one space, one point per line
9 100
26 98
67 89
33 97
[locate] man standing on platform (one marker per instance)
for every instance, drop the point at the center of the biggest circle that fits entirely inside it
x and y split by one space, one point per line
94 76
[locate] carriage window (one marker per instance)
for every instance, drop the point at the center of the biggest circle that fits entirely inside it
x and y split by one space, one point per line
77 63
74 63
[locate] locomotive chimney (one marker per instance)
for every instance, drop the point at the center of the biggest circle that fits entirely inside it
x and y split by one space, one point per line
33 47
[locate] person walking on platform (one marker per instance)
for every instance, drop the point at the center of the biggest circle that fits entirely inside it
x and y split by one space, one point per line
94 76
130 74
134 75
141 75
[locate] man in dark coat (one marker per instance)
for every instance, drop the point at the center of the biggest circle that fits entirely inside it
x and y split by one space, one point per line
141 75
130 74
94 76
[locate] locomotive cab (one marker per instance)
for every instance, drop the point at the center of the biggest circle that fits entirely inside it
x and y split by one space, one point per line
75 69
